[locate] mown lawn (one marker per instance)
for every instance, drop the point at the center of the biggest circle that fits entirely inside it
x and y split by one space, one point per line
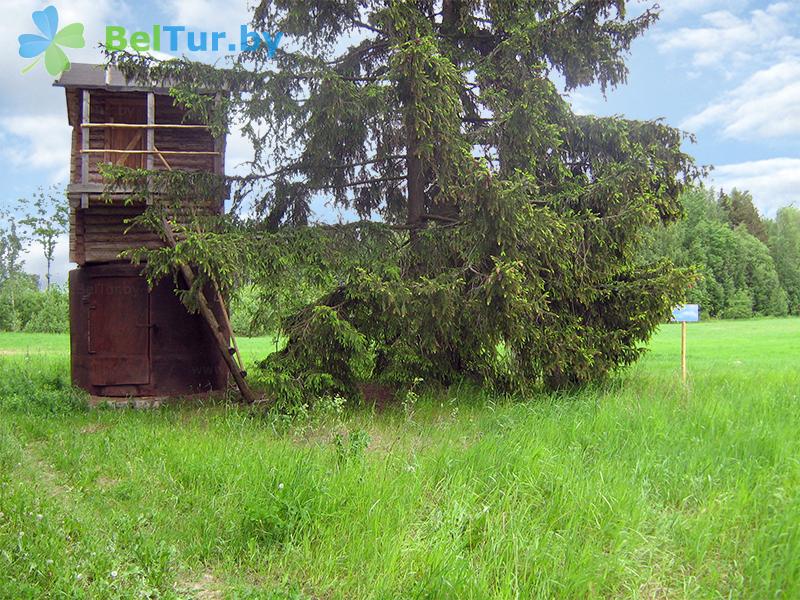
639 489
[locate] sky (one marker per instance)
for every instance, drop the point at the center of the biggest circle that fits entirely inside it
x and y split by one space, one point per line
727 71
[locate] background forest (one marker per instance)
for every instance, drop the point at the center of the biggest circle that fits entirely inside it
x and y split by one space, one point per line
748 265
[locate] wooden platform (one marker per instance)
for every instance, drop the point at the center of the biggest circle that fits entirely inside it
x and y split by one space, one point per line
152 402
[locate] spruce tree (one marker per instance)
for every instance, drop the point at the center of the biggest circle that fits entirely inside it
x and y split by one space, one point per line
498 230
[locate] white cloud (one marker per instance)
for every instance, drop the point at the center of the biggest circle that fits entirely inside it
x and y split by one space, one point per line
773 182
210 15
38 142
673 9
760 50
726 40
582 102
766 105
33 125
36 264
238 150
34 88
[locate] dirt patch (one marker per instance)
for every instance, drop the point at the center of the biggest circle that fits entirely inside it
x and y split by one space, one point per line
95 428
378 395
206 587
47 475
152 402
383 443
652 590
105 483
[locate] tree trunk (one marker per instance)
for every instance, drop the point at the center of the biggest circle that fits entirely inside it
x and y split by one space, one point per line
450 10
415 180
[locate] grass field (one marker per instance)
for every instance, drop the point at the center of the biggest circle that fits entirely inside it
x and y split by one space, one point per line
640 488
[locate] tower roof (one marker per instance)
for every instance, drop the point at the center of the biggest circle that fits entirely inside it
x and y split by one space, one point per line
102 77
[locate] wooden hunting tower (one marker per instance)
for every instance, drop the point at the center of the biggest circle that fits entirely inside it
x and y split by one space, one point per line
128 340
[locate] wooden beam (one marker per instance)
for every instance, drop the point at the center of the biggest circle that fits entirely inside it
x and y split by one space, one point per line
163 160
211 321
181 152
151 138
135 141
94 188
236 367
219 143
142 126
683 351
220 300
85 118
151 133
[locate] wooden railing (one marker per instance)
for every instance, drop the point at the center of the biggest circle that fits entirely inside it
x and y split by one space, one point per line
151 150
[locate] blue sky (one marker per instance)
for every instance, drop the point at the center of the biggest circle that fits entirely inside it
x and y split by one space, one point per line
726 70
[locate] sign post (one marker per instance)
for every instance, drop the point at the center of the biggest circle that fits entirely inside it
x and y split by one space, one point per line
683 351
685 313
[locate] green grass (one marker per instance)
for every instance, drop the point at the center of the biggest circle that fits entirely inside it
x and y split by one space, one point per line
52 343
758 344
638 489
33 343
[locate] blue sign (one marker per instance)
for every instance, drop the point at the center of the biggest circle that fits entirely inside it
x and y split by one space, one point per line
689 313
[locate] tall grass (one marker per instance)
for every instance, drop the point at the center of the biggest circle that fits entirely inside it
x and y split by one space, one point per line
637 489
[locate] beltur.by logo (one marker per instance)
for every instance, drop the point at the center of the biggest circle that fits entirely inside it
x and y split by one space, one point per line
173 38
50 41
176 38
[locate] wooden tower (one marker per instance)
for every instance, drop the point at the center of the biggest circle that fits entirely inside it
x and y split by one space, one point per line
128 340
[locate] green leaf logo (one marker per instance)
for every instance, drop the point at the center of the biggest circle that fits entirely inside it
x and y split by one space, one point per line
50 42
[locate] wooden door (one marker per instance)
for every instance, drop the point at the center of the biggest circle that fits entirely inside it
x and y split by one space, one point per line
131 111
119 331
